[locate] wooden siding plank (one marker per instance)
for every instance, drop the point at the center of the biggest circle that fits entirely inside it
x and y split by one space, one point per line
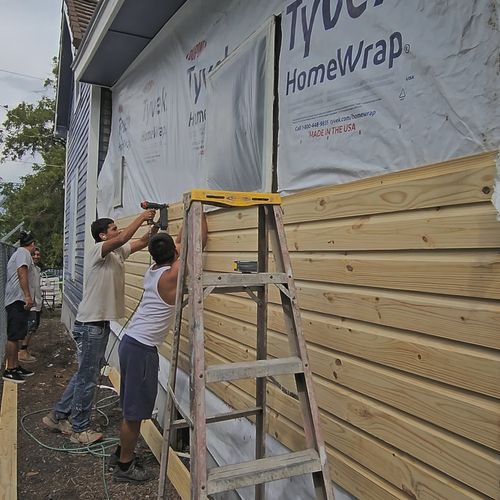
466 273
473 369
467 320
473 465
454 182
465 226
441 405
8 438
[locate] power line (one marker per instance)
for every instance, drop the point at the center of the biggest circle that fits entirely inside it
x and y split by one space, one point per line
22 74
35 163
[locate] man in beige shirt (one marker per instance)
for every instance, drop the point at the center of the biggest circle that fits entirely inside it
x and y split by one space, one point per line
103 301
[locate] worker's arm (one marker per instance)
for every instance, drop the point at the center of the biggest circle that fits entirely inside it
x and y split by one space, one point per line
143 241
204 234
22 273
127 233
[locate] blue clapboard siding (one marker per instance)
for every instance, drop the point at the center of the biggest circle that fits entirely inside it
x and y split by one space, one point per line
76 168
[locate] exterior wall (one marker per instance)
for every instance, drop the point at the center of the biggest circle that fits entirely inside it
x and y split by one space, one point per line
398 279
76 168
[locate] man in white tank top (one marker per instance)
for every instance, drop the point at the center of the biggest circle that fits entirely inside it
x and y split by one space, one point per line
138 351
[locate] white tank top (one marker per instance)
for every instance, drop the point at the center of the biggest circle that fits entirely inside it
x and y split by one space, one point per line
153 317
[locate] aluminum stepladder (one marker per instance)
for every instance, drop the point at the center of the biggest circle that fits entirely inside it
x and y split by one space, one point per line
263 469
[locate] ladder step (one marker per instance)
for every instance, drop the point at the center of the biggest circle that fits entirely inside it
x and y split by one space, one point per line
253 369
230 477
220 417
235 279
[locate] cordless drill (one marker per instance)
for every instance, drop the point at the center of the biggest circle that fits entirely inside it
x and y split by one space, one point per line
162 207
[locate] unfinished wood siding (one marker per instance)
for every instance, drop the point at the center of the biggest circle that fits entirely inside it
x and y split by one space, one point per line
398 282
76 168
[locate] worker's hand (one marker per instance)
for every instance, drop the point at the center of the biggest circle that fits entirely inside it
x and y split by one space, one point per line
28 302
154 228
149 215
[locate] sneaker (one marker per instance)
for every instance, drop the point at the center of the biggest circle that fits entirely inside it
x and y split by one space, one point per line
113 460
64 426
134 474
14 376
23 371
85 437
25 356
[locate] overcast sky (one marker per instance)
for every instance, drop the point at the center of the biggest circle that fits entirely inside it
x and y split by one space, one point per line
29 38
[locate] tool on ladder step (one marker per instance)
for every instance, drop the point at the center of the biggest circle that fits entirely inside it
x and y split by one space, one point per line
245 266
254 279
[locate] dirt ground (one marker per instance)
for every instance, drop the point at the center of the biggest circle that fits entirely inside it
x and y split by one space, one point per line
59 475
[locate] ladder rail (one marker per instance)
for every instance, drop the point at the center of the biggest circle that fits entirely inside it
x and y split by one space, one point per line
260 383
198 444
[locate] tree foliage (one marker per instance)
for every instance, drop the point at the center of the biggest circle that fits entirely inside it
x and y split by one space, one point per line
38 200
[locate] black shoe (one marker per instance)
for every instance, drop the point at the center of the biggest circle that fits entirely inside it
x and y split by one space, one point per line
113 460
14 376
134 474
23 372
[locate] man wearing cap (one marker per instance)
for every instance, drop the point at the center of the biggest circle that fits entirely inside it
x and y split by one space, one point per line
19 293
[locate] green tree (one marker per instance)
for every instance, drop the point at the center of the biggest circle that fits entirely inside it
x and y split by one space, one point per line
38 200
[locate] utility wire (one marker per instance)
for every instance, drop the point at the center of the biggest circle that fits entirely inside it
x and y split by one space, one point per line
35 163
22 74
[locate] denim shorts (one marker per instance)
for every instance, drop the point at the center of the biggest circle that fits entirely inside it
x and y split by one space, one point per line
139 365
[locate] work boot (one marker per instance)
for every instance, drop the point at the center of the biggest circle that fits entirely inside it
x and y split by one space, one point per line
51 422
13 375
134 474
24 356
85 437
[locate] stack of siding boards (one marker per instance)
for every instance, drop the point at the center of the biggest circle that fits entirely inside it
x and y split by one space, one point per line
8 440
399 286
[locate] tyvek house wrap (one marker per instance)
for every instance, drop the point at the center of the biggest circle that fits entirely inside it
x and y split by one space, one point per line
364 88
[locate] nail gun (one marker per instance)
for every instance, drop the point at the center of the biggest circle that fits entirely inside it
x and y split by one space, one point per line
162 207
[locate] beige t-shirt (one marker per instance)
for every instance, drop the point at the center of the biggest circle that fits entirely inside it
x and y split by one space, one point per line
104 295
13 291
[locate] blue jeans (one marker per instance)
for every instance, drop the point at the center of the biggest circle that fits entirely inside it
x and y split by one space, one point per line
76 402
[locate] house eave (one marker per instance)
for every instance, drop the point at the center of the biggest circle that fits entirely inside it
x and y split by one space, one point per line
118 33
